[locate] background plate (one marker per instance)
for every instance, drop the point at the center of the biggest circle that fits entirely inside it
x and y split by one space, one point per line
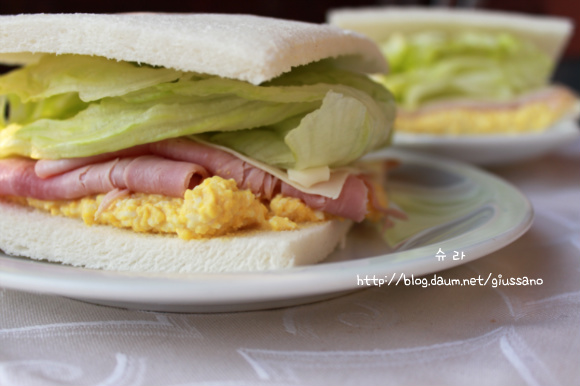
491 149
453 208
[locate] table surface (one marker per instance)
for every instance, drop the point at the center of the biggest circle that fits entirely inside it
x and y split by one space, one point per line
481 335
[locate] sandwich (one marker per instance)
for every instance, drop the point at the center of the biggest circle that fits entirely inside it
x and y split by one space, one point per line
187 142
464 71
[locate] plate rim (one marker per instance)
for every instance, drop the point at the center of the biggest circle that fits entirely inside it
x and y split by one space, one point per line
491 150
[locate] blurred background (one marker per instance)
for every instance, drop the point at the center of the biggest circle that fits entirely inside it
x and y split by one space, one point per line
567 72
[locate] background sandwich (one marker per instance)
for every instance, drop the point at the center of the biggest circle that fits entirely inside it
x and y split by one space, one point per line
458 71
190 142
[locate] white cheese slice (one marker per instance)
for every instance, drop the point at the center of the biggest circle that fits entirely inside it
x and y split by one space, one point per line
309 177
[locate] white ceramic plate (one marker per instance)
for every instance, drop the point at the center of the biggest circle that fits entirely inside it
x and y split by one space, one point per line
452 208
488 150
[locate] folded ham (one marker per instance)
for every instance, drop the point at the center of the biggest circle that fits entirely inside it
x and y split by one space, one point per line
49 167
167 167
146 174
219 163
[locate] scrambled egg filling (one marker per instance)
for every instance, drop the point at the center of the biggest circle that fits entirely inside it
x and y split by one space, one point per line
216 207
530 117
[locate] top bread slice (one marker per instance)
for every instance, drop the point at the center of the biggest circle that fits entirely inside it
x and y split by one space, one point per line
550 34
245 47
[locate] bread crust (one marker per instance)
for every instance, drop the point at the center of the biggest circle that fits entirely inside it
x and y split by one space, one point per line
31 233
245 47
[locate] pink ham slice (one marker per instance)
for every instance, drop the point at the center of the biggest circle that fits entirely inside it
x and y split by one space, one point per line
48 168
351 204
216 161
75 178
146 174
156 175
220 163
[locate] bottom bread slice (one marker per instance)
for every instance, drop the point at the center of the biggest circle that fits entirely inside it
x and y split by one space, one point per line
34 234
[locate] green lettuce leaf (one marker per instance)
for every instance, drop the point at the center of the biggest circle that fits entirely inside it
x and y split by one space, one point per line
91 77
432 66
316 115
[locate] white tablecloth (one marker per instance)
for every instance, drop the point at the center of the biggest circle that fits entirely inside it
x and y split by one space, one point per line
404 335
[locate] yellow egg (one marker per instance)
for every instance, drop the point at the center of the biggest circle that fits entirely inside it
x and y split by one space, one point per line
532 116
214 208
294 209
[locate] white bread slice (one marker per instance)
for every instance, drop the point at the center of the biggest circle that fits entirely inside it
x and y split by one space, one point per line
250 48
550 34
31 233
